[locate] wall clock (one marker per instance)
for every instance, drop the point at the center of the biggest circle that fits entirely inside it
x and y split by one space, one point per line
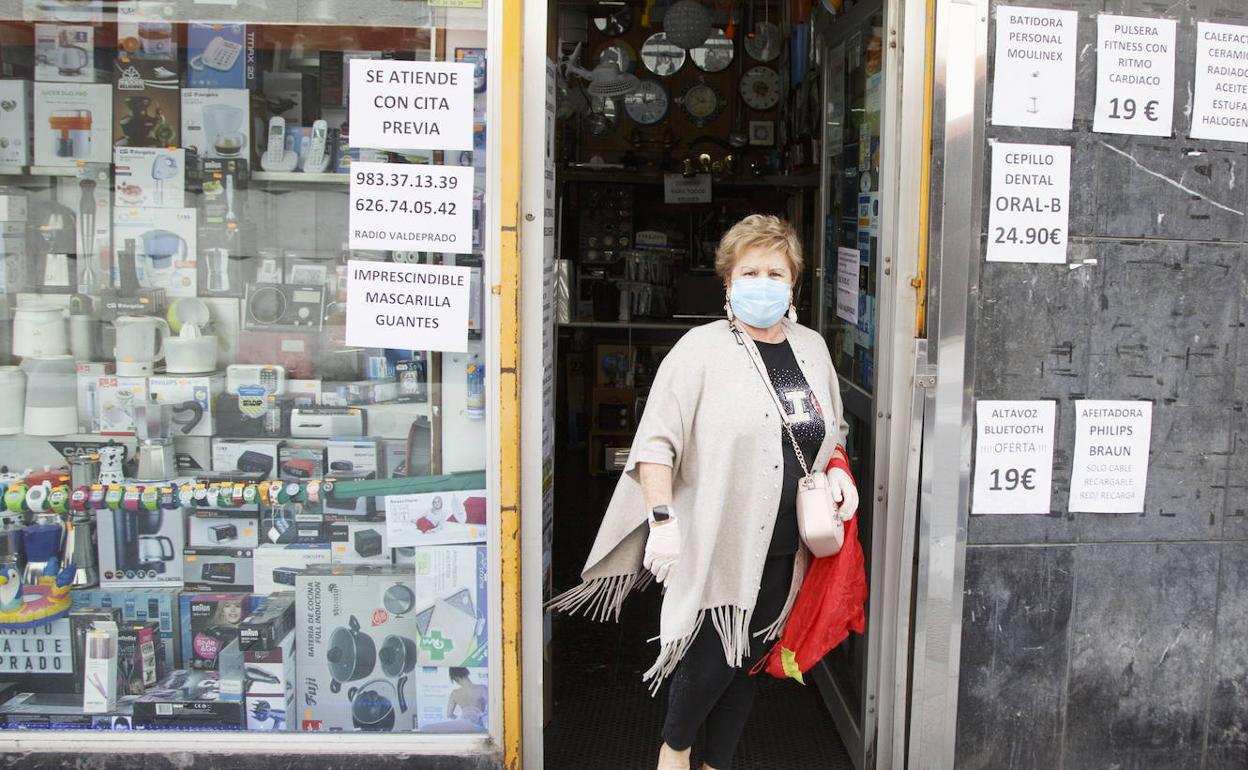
702 103
648 104
760 88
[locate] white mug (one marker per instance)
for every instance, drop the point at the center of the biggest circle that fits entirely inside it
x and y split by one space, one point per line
140 344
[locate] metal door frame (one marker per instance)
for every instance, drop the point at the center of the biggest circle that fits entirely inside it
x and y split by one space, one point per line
876 738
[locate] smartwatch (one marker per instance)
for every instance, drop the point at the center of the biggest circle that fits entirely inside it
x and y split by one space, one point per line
214 495
168 498
660 514
150 498
186 495
58 500
130 500
96 496
200 495
37 498
236 494
249 494
78 499
112 498
15 496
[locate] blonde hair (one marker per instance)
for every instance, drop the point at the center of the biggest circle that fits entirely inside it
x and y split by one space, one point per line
758 231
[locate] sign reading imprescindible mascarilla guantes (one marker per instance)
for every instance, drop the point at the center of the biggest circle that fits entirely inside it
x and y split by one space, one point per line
410 105
407 307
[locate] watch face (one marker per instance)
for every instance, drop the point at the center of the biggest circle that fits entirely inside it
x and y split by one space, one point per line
760 88
701 103
715 55
648 104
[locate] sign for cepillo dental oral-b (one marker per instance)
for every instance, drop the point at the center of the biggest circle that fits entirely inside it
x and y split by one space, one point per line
408 307
409 207
410 105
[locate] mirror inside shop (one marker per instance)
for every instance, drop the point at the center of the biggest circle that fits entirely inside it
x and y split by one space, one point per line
217 513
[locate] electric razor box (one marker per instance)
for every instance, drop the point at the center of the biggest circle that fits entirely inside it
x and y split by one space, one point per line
265 628
218 569
210 621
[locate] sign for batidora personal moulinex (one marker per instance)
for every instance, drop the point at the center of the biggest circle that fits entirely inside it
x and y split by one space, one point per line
407 307
410 105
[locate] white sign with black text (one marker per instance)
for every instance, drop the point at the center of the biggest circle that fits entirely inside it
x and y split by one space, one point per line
407 307
1220 105
678 188
1134 75
408 207
1028 213
411 105
1109 468
848 262
1034 68
1013 456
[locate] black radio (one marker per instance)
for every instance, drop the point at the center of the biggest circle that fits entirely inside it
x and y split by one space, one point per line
284 306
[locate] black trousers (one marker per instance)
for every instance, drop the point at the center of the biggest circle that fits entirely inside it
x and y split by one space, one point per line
706 691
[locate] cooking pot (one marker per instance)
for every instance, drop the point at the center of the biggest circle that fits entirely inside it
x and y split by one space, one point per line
372 709
351 654
397 655
398 599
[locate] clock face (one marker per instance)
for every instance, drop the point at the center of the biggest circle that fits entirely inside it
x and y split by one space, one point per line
648 104
760 88
764 43
702 104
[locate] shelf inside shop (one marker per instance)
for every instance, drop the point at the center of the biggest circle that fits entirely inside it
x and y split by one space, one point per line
299 176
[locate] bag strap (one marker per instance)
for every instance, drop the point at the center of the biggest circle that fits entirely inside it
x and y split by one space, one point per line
784 418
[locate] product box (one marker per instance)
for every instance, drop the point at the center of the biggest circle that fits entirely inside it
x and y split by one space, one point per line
298 89
256 416
299 463
76 11
147 108
57 711
15 122
139 656
437 518
413 380
270 624
210 621
188 700
452 700
277 565
73 122
221 55
140 548
159 605
83 621
144 31
252 455
91 184
161 242
216 122
359 543
270 695
115 400
149 176
192 397
89 374
341 611
101 682
293 523
450 605
65 53
350 459
218 569
222 532
39 659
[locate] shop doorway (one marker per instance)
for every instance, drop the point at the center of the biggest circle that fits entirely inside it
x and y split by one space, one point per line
792 115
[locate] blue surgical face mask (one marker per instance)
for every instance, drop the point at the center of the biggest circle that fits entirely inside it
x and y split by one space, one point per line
759 302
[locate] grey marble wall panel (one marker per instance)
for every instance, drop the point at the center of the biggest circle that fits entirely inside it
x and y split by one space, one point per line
1187 476
1150 187
1166 322
1015 633
1143 624
1235 520
1228 706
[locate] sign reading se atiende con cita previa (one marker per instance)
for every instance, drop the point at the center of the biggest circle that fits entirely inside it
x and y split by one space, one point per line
409 105
407 307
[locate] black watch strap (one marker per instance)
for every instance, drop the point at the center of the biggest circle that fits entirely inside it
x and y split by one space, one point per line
660 513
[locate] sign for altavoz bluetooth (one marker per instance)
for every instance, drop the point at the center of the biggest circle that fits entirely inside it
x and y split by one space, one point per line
409 105
1013 456
1028 207
410 207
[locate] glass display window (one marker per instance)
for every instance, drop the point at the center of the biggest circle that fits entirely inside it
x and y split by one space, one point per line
246 401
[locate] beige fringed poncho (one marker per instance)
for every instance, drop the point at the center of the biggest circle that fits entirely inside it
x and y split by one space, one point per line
709 416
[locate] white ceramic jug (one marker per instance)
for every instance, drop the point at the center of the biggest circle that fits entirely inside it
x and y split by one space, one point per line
39 330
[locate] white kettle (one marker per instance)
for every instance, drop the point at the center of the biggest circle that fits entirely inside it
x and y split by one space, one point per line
140 344
39 329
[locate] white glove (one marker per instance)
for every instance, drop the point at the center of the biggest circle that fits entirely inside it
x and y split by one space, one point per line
662 548
844 493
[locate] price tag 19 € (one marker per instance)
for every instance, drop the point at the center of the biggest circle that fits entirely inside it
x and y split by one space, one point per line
1028 214
1013 456
405 207
1134 75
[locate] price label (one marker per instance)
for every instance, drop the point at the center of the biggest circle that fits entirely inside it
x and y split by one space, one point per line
400 207
1134 75
1013 456
1030 190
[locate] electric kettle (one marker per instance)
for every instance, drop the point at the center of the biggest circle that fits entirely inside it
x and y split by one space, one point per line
140 344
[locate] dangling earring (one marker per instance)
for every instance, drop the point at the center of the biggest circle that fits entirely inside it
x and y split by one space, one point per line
793 313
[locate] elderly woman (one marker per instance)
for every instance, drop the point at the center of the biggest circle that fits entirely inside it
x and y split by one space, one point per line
707 502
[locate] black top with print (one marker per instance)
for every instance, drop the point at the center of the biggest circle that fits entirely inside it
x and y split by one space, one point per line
806 418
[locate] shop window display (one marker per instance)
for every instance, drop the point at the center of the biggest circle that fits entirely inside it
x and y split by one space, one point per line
218 513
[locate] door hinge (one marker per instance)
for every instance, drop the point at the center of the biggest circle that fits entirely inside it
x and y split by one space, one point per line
925 378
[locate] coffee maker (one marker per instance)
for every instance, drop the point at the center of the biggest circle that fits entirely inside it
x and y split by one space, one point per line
137 542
